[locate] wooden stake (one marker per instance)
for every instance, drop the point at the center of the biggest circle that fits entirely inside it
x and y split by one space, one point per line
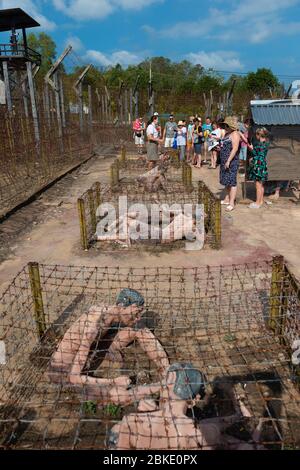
218 224
98 194
82 222
92 210
112 175
38 305
123 154
117 172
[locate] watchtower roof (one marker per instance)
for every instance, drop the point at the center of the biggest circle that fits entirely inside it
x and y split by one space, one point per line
16 18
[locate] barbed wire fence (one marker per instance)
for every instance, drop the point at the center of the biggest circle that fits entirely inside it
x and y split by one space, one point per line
71 125
37 148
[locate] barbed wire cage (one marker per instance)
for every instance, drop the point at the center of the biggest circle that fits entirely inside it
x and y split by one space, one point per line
130 165
176 192
235 324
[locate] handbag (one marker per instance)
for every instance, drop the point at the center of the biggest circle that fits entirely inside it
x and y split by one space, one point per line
175 146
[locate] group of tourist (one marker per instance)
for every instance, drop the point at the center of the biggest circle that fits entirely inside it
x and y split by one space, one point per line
229 143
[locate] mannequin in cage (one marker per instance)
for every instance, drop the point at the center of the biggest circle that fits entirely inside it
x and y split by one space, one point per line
68 362
180 226
167 426
155 179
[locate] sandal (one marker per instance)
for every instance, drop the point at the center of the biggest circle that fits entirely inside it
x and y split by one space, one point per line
255 206
229 208
224 203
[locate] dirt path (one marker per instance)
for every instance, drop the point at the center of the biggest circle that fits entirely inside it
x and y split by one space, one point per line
47 231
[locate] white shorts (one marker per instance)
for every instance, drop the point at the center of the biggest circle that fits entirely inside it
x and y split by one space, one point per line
169 142
139 140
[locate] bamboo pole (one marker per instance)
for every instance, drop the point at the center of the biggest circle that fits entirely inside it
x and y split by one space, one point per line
98 194
92 210
276 293
117 172
218 224
112 173
123 154
36 290
82 222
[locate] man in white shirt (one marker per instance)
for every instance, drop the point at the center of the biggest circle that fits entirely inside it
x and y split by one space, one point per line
153 141
181 140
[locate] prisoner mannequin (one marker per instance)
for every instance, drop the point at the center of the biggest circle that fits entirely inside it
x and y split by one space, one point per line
168 427
180 226
69 360
154 180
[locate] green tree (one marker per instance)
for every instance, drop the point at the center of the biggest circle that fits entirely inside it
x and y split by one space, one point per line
262 82
44 45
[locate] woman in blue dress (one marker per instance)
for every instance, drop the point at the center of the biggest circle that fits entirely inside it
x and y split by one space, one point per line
229 156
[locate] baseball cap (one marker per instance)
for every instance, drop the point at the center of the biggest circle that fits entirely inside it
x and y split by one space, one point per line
155 114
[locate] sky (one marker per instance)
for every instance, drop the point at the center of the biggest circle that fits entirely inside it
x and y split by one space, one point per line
231 35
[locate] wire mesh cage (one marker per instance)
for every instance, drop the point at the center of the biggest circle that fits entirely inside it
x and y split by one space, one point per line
166 359
130 166
175 193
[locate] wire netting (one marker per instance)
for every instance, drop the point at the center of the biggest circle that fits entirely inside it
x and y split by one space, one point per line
219 319
175 193
130 167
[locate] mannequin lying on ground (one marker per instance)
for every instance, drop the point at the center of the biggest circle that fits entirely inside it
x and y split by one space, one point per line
131 227
167 425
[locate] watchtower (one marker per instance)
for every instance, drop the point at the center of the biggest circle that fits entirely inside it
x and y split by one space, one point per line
15 56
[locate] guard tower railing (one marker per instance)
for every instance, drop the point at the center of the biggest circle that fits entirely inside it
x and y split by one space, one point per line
13 51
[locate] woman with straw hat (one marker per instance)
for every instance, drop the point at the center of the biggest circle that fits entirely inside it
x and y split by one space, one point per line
229 156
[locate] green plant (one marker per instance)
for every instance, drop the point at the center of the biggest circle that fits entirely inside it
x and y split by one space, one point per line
90 407
229 338
112 410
